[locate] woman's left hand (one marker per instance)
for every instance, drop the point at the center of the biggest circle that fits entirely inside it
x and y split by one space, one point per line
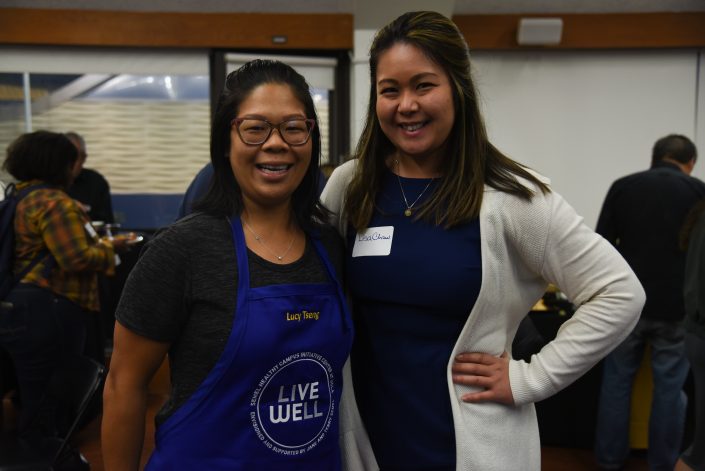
484 371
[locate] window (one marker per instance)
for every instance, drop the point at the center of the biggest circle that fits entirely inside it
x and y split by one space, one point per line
145 117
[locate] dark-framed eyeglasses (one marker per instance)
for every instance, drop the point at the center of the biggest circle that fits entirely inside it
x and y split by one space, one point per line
254 132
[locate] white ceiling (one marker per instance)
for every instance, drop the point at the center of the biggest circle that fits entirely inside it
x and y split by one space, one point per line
348 6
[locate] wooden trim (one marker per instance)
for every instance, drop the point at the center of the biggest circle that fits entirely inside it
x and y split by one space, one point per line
591 31
326 31
165 29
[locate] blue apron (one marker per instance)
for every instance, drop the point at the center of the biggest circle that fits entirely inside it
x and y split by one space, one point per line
271 401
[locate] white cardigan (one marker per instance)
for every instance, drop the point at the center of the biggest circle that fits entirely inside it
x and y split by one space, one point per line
524 246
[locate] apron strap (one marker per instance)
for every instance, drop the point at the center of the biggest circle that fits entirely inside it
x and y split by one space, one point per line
243 269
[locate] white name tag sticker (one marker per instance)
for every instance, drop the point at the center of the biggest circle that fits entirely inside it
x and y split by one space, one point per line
91 231
373 241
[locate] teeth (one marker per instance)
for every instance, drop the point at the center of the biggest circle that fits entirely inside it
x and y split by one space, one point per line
412 127
274 168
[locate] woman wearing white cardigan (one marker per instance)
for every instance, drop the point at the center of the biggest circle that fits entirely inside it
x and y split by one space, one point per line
450 244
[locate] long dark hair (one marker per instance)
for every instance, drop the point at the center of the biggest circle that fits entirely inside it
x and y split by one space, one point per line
224 197
472 160
42 155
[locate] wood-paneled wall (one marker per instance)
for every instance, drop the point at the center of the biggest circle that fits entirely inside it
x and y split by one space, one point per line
183 30
592 31
326 31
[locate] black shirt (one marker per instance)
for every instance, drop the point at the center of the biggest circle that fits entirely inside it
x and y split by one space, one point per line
642 216
92 189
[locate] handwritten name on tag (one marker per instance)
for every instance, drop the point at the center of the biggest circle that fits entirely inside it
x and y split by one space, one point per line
373 241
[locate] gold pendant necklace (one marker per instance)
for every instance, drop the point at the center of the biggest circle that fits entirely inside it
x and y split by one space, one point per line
259 239
409 207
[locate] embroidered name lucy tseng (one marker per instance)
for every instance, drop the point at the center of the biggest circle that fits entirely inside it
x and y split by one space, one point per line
303 315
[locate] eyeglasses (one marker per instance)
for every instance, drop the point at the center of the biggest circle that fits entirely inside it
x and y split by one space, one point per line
254 132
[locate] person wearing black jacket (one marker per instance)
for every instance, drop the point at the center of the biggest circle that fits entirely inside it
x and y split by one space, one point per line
642 216
89 187
693 239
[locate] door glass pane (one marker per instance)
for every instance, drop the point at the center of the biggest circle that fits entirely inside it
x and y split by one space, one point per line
322 105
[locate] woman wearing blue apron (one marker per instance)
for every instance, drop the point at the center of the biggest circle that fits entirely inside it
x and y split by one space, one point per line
244 297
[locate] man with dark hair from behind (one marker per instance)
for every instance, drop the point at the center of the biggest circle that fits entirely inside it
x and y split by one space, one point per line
92 191
642 216
90 188
196 190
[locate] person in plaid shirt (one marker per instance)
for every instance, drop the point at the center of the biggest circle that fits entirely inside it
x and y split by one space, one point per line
47 312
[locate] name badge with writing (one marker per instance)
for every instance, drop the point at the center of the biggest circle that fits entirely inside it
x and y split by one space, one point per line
90 230
373 241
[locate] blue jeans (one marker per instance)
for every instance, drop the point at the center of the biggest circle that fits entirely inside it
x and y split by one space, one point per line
669 367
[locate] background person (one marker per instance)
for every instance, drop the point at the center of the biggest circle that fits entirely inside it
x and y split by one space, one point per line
693 238
92 191
54 301
450 244
243 296
90 187
642 216
196 190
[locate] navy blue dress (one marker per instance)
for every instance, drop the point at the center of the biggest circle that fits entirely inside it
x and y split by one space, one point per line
410 307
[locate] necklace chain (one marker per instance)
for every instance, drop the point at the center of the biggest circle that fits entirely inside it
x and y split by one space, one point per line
260 239
409 207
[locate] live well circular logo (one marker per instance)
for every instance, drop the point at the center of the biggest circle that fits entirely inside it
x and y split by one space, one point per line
292 407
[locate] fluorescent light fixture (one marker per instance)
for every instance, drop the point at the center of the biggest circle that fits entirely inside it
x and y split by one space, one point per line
539 31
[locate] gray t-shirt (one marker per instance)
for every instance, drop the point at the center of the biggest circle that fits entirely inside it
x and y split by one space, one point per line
183 290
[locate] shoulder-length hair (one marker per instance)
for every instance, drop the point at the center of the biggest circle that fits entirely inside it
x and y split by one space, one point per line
472 160
224 197
42 155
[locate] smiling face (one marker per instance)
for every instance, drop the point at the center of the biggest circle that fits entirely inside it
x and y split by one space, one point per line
414 102
269 173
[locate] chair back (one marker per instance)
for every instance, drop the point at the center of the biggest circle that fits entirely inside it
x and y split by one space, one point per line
71 388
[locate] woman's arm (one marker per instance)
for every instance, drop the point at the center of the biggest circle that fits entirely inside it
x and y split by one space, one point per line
599 282
64 233
134 361
552 241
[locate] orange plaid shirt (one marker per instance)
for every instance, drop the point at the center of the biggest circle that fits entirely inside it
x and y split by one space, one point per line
48 218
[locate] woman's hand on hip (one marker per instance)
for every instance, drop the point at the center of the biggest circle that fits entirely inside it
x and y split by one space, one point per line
484 371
